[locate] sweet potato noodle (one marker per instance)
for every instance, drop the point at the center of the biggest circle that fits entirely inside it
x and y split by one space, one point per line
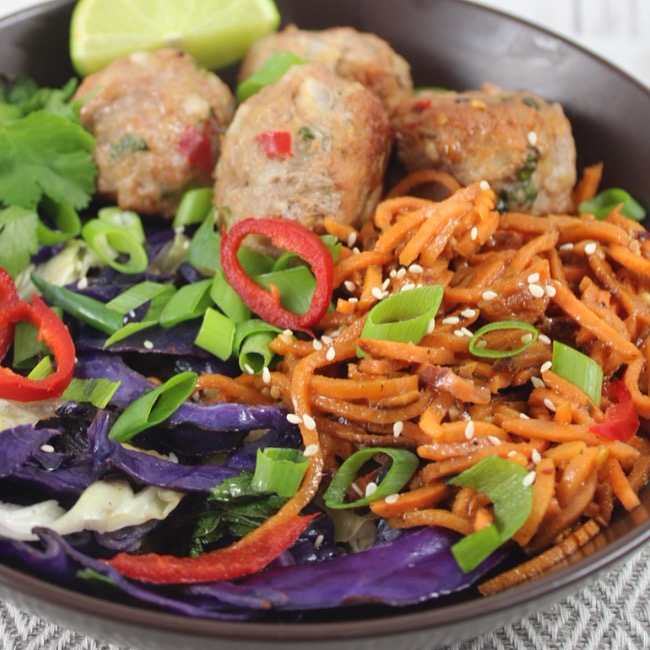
578 280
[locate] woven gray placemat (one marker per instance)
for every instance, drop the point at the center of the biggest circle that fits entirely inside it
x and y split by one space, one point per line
611 614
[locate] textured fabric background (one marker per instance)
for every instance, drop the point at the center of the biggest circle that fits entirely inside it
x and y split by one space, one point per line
611 614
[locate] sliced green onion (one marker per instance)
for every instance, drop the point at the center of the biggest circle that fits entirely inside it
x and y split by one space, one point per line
26 346
109 241
604 202
279 470
203 253
476 350
153 407
255 353
124 219
404 316
288 259
296 286
190 301
579 369
404 463
193 207
42 369
66 219
269 72
254 263
216 334
129 330
138 294
98 391
252 327
86 309
503 482
228 300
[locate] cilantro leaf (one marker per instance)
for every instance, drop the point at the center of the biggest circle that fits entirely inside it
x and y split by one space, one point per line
46 154
18 238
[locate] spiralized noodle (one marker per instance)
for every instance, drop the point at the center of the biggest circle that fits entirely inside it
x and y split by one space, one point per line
573 278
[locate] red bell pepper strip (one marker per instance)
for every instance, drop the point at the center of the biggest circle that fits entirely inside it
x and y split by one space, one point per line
196 147
292 236
621 419
238 560
8 296
53 331
276 144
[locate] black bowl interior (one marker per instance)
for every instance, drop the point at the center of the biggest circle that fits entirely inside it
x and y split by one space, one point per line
449 43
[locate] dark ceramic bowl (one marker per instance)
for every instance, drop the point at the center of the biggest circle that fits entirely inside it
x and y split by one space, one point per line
453 44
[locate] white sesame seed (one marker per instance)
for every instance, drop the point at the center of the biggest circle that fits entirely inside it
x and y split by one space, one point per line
400 273
489 295
467 332
330 355
318 542
524 416
459 333
349 285
535 456
544 339
148 345
590 248
532 138
83 283
356 251
287 332
327 340
548 403
529 479
526 338
482 344
352 239
266 375
484 185
172 457
377 293
468 313
537 382
393 273
371 488
469 430
385 284
311 450
248 369
566 247
398 427
292 418
512 453
353 300
416 268
451 320
473 233
532 278
317 344
355 488
494 440
392 498
275 392
309 422
48 449
431 326
408 286
536 290
547 365
550 290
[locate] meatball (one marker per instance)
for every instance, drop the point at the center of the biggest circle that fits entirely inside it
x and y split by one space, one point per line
157 119
363 57
521 144
311 145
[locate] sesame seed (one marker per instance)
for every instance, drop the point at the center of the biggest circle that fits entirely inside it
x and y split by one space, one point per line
398 427
393 273
172 457
148 345
524 416
356 488
408 286
469 430
482 344
248 369
266 375
459 333
349 285
377 293
83 283
48 449
550 290
512 453
352 239
529 479
590 248
330 355
309 422
416 268
311 450
547 365
532 278
400 273
535 456
385 284
484 185
371 488
544 339
537 382
494 440
473 233
468 313
179 230
355 250
353 300
275 392
526 338
532 138
287 332
431 326
536 290
548 403
451 320
489 295
318 542
317 344
467 332
392 498
292 418
566 247
327 340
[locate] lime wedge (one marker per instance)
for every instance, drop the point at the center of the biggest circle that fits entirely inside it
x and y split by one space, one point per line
215 32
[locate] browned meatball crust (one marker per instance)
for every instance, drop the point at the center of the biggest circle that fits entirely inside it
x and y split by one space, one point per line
360 56
521 144
158 120
338 139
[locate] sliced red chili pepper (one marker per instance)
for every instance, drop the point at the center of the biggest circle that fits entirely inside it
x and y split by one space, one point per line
235 561
421 104
8 296
292 236
621 419
277 144
195 145
53 331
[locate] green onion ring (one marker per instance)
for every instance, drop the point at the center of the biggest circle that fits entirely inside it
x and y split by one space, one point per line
502 325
